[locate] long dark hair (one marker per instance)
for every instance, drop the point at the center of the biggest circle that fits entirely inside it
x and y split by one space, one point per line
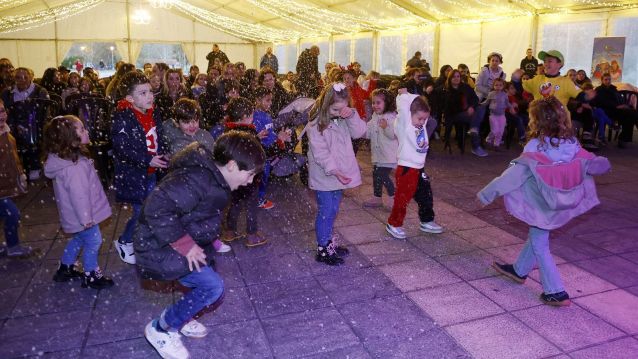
60 138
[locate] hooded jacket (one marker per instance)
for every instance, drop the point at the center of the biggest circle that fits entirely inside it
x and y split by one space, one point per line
184 209
383 141
176 139
485 79
78 192
547 186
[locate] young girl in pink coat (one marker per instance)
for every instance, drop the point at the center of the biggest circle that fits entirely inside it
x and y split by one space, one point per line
80 198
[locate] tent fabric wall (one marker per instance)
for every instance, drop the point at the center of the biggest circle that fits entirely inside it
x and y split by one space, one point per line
460 43
510 38
37 55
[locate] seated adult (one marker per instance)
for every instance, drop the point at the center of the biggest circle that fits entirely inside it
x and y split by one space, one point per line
581 78
280 98
489 72
607 98
51 81
459 104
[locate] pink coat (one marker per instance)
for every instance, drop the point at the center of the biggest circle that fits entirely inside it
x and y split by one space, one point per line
78 192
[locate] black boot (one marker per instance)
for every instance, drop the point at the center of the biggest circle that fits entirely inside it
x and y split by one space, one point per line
96 280
66 273
328 255
342 251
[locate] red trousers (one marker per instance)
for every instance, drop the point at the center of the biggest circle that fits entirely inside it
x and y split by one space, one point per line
411 183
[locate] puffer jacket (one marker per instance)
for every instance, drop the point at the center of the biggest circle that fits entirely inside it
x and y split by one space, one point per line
545 189
184 209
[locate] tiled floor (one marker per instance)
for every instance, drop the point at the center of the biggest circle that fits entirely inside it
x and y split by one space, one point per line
430 296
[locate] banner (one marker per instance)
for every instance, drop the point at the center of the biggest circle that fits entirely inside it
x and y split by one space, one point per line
608 57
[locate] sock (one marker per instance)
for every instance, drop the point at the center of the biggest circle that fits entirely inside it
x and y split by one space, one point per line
158 327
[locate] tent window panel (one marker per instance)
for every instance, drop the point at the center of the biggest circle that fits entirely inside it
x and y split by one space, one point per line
575 40
342 52
423 42
363 53
280 52
291 58
390 55
628 27
171 54
101 56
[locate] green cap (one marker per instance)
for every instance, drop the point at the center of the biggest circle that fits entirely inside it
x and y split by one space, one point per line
551 53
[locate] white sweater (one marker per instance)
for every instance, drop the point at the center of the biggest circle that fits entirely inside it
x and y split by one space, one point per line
383 141
413 142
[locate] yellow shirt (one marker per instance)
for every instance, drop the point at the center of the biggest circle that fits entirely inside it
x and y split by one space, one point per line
560 87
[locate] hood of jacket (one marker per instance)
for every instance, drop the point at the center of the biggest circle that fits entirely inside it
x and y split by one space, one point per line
565 152
196 155
54 165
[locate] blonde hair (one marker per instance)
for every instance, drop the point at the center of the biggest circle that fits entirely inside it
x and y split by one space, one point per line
327 97
549 119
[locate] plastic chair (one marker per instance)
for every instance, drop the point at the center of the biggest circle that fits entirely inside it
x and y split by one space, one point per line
58 99
27 119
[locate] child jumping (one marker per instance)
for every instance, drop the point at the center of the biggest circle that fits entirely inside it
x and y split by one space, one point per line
410 176
383 145
332 165
80 198
177 227
498 103
546 186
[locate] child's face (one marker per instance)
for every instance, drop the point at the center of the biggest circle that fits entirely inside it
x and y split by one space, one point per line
348 79
378 105
264 103
142 97
85 86
334 110
419 118
246 119
269 81
511 90
155 82
82 133
3 115
236 177
498 86
190 127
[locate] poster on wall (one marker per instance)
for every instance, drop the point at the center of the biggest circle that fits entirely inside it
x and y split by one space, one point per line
608 56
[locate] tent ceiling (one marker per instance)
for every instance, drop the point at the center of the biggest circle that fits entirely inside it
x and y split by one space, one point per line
279 20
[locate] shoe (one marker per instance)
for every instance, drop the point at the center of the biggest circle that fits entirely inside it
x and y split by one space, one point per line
479 151
194 329
560 299
328 255
125 251
221 247
342 251
229 236
34 175
508 271
430 227
19 251
167 344
396 232
66 273
373 202
265 204
96 280
255 240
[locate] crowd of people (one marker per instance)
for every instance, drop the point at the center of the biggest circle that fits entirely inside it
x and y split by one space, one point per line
191 151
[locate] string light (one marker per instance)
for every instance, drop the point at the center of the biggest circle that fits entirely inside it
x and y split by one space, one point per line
39 18
161 4
7 4
141 17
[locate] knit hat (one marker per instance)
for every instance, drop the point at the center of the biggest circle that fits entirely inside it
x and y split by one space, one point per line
551 53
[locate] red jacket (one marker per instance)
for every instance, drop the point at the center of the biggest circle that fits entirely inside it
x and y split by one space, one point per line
359 95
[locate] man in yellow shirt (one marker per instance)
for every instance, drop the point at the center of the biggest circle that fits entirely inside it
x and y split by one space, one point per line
551 83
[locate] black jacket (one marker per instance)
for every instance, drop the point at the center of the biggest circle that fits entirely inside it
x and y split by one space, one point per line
189 200
459 99
529 66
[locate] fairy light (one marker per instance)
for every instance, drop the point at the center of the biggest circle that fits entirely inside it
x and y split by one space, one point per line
141 17
161 4
7 4
39 18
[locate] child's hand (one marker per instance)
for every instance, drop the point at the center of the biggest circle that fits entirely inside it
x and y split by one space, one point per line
195 257
343 179
429 89
284 135
383 123
159 162
346 112
263 134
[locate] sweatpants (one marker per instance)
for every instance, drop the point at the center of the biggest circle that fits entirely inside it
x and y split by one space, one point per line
497 127
411 183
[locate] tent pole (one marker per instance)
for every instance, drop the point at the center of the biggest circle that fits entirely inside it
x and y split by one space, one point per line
533 36
128 30
437 43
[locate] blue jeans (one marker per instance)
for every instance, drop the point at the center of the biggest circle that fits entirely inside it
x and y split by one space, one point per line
602 120
327 209
264 181
11 214
536 250
89 241
207 286
127 235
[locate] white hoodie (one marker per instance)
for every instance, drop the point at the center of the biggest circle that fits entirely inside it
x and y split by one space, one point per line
413 142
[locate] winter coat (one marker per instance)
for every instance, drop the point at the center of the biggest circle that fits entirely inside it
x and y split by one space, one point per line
184 209
485 80
269 61
457 100
359 96
216 55
130 155
546 189
177 140
37 92
331 150
498 103
10 166
607 97
383 141
78 192
413 142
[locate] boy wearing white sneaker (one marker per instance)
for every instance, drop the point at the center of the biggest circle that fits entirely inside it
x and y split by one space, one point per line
410 177
180 221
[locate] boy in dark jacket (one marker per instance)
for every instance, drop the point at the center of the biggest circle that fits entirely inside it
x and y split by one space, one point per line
137 150
177 227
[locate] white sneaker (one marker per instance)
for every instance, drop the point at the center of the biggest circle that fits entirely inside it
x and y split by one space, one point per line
396 232
194 329
223 248
168 344
431 227
125 251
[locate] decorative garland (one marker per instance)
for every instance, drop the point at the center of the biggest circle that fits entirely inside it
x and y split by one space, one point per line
39 18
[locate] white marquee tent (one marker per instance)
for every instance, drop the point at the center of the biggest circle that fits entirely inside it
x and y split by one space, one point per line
380 34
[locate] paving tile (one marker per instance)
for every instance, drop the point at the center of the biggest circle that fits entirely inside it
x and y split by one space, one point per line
234 340
578 282
43 333
617 307
509 295
446 243
277 245
633 257
353 352
235 306
54 297
470 265
137 348
228 269
622 348
569 328
433 343
575 250
390 251
290 296
303 241
460 221
8 299
355 260
419 274
500 337
272 269
454 303
299 334
65 354
616 241
354 217
363 233
509 254
489 237
613 269
37 232
357 285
